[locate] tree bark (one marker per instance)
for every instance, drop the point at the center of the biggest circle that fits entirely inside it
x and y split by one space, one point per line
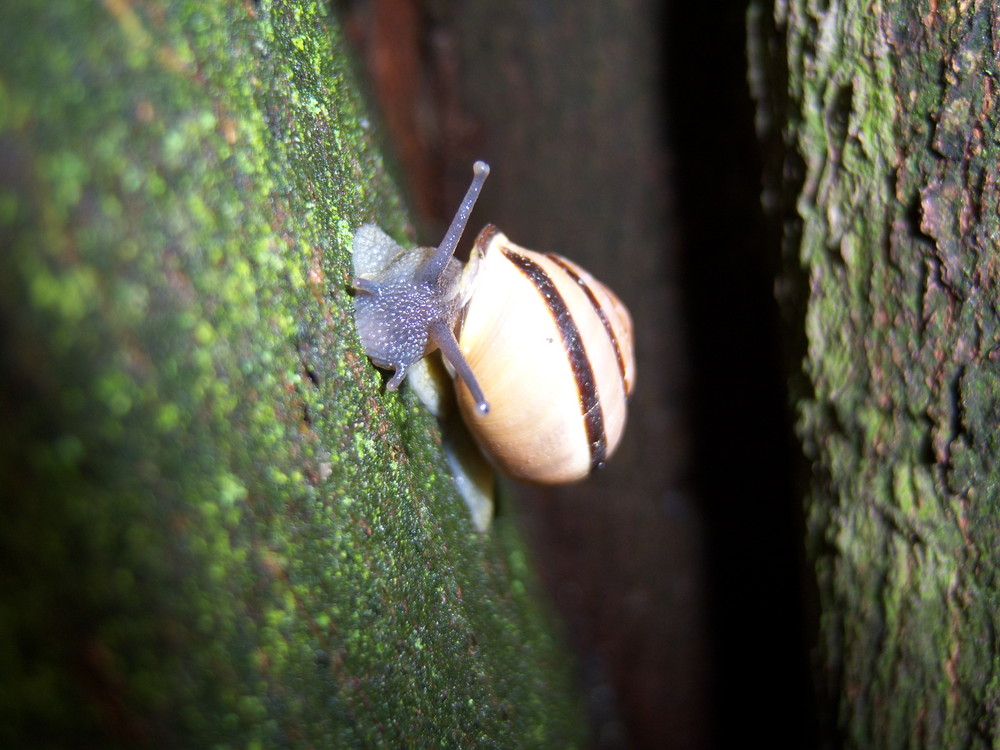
880 122
217 528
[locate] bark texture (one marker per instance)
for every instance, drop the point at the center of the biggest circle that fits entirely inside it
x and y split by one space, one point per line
881 126
216 528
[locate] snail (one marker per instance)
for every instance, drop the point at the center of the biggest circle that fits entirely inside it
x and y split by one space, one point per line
542 351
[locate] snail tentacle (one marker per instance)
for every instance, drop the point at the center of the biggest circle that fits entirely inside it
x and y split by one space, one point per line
444 337
435 265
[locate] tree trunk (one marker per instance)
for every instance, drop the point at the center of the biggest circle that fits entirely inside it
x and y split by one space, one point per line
881 125
217 529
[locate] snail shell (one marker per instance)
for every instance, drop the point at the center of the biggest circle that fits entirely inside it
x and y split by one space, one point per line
543 359
551 348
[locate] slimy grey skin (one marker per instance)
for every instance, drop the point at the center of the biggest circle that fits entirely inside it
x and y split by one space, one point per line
408 301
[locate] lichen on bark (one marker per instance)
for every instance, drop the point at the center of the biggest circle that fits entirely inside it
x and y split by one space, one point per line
217 528
887 178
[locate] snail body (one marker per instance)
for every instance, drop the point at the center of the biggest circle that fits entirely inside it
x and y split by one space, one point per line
541 350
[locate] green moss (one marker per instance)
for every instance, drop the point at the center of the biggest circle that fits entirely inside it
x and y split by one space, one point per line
223 531
898 397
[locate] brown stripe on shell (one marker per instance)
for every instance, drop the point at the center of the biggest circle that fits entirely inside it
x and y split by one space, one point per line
599 310
486 234
583 373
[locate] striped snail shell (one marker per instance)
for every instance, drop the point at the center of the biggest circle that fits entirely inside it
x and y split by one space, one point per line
551 347
543 357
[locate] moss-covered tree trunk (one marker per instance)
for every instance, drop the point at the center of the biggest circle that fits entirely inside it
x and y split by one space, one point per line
216 528
881 121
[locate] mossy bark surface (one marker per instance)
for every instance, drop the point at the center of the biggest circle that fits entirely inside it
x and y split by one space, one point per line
217 528
882 125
